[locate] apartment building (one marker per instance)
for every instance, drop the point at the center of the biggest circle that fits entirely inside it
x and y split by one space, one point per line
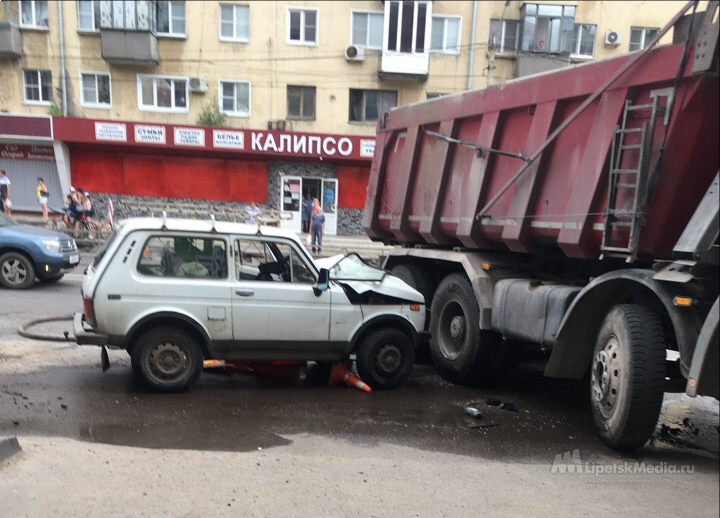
300 84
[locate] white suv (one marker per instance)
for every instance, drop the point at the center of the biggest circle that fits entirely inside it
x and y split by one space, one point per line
173 292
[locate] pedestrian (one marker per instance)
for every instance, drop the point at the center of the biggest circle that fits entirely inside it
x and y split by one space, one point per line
78 209
5 203
42 196
252 213
317 228
306 213
69 213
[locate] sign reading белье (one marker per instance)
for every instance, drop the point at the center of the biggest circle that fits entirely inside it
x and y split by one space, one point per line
229 139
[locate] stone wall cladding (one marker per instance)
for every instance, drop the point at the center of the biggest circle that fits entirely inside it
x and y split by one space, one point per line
275 169
350 222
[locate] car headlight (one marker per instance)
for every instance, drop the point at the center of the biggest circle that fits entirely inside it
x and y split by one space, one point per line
53 245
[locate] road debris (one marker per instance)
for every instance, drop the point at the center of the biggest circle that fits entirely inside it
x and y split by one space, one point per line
473 412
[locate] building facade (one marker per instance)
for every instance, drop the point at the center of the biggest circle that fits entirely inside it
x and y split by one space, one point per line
281 73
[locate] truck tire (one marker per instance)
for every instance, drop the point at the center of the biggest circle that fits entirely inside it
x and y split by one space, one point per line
627 376
419 279
16 271
385 358
167 360
461 352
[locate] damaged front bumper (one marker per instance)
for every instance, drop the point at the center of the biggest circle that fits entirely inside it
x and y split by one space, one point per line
85 335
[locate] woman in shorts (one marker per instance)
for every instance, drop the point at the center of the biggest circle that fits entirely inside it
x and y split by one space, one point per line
42 196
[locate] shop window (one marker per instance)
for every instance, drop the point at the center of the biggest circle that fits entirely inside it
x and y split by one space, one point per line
88 16
547 28
235 98
583 44
367 105
234 23
34 15
640 37
445 36
157 93
170 19
37 86
504 35
302 25
367 28
95 89
301 102
181 256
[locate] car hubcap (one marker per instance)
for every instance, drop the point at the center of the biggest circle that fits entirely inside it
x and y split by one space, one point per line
168 362
606 376
388 359
14 272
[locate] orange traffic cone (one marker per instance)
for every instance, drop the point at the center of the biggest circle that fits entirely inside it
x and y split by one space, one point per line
341 372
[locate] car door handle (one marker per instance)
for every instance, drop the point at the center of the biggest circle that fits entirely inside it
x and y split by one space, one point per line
245 293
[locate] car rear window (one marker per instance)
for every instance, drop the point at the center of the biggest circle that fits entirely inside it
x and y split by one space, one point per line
184 256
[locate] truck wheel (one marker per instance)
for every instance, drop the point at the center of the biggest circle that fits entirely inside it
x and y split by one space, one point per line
628 376
16 271
461 352
417 278
385 358
167 360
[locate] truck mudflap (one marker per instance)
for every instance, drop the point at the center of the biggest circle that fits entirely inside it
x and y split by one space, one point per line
703 377
85 336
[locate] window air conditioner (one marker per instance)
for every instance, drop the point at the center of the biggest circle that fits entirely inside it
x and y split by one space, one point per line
354 52
613 38
198 84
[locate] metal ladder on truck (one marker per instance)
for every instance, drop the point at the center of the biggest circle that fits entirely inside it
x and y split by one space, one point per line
630 179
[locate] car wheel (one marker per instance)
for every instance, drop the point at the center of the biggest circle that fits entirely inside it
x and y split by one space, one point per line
16 271
628 376
385 358
167 359
461 352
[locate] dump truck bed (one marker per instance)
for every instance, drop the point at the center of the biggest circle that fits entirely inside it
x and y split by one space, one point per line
435 168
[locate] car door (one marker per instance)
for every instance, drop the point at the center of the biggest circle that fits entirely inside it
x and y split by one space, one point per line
276 314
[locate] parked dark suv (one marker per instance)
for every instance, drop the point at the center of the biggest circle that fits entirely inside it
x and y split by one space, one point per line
28 253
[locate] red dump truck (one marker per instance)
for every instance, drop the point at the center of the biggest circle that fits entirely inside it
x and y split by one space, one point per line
576 210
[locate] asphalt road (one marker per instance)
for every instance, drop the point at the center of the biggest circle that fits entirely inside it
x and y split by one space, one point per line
96 444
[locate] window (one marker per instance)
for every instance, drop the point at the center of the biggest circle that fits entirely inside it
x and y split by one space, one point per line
128 15
234 23
640 37
429 95
95 89
406 26
88 16
367 105
34 15
504 35
166 94
367 29
235 98
38 86
547 28
170 18
302 26
445 36
584 41
301 102
257 260
181 256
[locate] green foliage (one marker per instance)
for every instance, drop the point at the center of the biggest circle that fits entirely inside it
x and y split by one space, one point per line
210 115
55 110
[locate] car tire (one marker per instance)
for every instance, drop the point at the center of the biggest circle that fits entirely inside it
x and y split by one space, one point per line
419 279
16 271
167 360
628 376
385 358
461 352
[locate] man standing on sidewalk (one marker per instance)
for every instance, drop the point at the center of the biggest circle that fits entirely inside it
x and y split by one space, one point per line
4 192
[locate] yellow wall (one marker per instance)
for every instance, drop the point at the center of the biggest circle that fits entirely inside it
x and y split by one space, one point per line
270 64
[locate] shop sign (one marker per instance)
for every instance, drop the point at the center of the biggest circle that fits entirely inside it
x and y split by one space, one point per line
367 148
150 134
18 152
110 131
229 139
189 137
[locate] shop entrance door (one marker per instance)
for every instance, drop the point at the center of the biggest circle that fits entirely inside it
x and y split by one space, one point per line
328 202
291 203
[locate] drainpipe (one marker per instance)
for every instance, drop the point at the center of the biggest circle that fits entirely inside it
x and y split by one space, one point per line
63 90
472 46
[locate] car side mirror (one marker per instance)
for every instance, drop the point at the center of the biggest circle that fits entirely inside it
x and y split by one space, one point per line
322 283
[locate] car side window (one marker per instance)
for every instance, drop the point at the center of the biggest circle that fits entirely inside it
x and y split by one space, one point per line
184 256
263 260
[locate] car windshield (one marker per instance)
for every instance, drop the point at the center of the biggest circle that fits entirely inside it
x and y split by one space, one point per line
6 221
353 268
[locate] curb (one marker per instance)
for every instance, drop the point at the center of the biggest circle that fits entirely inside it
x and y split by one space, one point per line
9 447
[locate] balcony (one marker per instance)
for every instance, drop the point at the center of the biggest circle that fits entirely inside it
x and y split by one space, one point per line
10 41
404 65
529 63
129 47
